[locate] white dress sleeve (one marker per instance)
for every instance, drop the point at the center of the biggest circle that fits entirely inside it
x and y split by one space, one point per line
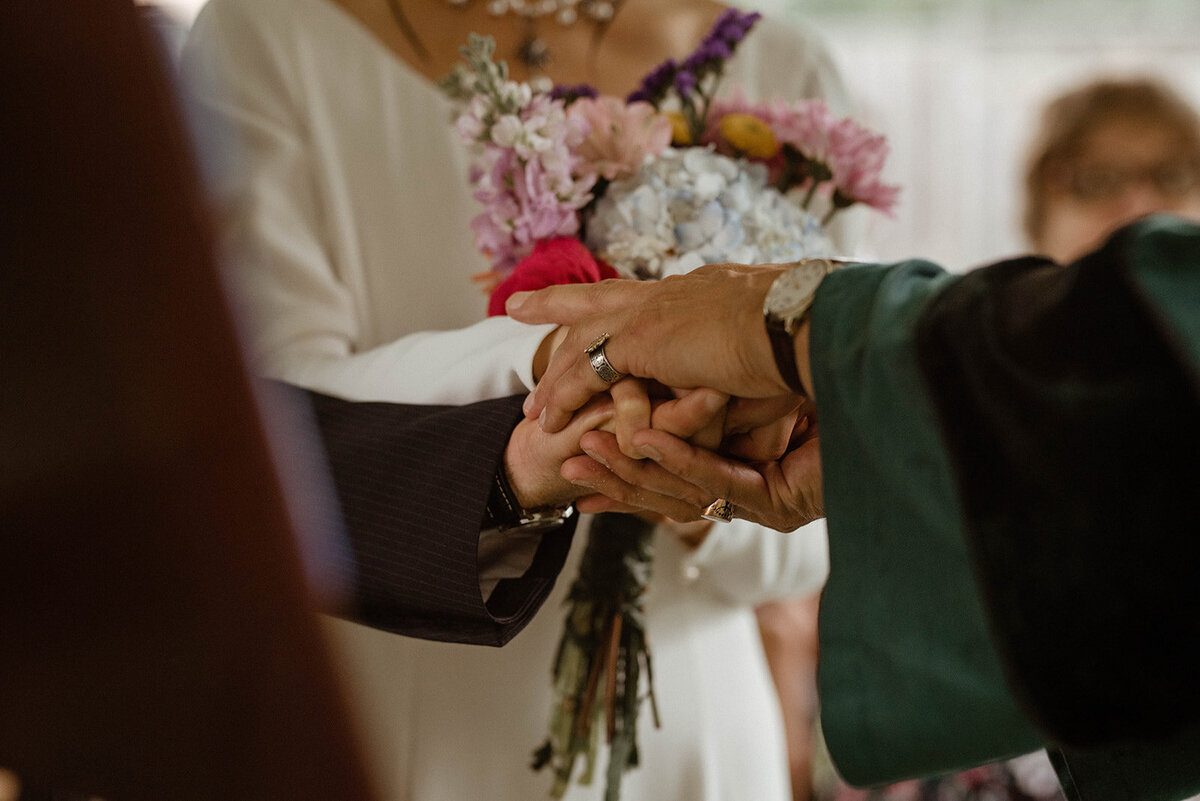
745 564
288 206
281 224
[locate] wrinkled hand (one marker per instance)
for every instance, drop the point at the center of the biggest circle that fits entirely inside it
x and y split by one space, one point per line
695 414
703 329
681 479
751 429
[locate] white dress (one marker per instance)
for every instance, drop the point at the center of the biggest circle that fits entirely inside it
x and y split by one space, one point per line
349 210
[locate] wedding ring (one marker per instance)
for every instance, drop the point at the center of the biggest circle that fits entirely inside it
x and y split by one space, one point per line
595 352
719 510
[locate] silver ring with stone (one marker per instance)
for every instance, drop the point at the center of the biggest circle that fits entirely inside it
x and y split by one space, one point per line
599 361
719 510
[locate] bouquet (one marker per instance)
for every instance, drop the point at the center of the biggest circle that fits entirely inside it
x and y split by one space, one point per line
578 187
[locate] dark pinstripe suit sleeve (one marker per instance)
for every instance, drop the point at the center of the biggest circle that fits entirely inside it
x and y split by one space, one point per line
413 483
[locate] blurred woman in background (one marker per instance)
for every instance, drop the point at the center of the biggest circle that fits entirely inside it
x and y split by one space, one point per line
1107 153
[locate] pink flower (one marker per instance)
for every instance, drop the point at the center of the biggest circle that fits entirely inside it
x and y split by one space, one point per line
543 214
853 154
856 157
620 136
524 202
803 124
806 126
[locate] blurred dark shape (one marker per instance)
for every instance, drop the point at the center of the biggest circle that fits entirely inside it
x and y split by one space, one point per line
157 638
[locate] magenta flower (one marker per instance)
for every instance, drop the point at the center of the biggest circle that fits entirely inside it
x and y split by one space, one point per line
620 136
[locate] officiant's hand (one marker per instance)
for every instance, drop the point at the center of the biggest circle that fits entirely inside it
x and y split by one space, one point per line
752 429
700 329
680 479
695 414
782 494
630 485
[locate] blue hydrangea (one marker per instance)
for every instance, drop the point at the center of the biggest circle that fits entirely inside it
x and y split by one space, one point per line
692 207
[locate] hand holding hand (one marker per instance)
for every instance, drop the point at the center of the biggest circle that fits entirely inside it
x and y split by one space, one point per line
543 468
783 494
701 329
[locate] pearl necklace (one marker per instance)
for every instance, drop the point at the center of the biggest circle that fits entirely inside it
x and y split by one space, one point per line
533 50
566 12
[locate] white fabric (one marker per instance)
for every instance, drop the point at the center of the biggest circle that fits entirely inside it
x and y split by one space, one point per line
353 204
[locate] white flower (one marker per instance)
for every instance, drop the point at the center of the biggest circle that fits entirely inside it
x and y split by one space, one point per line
507 130
693 207
514 95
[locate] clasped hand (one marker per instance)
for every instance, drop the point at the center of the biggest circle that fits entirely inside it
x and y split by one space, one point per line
643 448
703 329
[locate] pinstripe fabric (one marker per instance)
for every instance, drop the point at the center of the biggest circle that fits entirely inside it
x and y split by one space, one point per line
413 482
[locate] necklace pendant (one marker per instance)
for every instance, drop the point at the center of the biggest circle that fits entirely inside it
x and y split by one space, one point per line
533 52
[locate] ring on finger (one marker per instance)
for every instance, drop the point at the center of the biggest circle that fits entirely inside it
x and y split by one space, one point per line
599 362
719 510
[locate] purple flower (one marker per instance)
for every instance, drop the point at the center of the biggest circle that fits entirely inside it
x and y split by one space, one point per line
717 48
655 85
733 25
685 82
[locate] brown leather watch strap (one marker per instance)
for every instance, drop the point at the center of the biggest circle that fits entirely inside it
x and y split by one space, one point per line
783 347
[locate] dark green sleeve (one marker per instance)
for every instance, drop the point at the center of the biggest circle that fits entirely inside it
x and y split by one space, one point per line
1011 459
909 680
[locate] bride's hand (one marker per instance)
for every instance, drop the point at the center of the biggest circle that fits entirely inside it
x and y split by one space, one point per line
622 488
537 462
534 459
750 429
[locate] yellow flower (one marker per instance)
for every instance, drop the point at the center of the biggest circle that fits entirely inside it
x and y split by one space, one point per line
748 135
681 136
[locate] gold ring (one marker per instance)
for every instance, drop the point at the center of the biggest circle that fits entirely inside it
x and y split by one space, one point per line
719 510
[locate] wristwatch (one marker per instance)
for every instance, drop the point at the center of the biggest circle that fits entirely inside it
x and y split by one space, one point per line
505 513
786 307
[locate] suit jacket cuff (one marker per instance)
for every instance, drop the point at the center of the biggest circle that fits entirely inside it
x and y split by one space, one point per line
413 482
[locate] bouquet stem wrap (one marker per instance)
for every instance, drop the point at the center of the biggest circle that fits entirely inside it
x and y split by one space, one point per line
600 659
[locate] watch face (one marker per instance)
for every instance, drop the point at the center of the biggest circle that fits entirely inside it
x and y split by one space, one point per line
792 292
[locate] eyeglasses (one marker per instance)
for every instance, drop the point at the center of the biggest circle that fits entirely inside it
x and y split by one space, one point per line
1172 179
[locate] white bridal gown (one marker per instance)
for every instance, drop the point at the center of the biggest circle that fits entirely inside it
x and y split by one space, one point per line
351 203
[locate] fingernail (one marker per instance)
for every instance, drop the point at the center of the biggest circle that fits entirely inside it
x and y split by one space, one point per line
650 452
597 457
530 400
515 300
583 482
542 420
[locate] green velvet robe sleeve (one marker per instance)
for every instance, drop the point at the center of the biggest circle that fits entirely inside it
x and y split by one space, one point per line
1011 459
